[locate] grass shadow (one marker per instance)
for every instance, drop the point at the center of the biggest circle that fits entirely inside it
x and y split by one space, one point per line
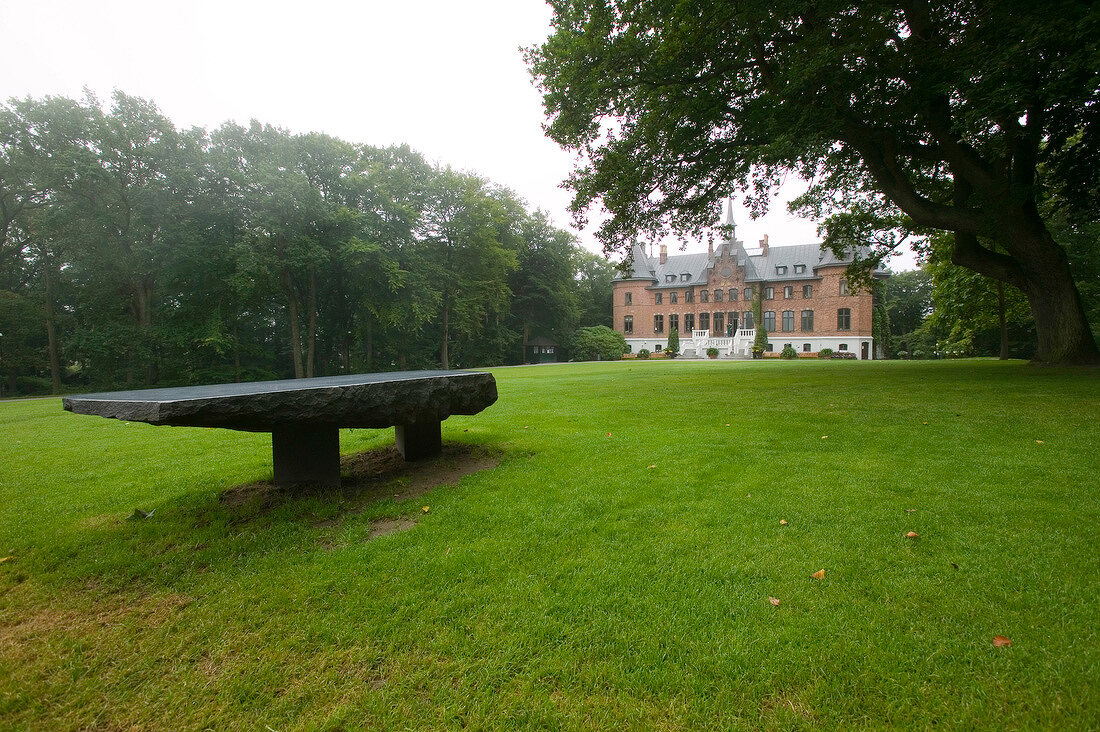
201 531
366 479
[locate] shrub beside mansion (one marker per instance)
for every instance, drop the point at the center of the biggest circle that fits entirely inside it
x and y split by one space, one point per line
707 298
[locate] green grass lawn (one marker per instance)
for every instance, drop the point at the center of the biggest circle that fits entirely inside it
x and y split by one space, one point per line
613 571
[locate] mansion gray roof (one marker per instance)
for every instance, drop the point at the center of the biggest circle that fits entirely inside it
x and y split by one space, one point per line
778 263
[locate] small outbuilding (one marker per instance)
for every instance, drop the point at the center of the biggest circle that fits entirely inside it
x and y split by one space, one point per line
541 350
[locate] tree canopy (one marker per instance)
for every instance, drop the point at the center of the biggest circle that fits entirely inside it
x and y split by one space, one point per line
908 117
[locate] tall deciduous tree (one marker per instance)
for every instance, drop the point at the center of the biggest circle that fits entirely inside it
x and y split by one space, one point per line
594 288
464 229
920 114
544 301
968 304
908 299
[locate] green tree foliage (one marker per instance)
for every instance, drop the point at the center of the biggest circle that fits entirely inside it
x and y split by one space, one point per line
972 314
760 340
545 300
908 300
593 282
132 252
672 349
910 117
598 342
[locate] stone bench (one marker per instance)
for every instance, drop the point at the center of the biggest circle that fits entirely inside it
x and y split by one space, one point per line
304 416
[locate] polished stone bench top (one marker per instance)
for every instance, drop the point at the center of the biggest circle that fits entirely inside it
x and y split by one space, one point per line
355 400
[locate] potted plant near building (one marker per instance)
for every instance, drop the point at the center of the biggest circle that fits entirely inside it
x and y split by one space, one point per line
712 352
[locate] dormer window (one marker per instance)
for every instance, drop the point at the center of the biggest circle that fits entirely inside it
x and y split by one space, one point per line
799 268
670 278
781 269
684 277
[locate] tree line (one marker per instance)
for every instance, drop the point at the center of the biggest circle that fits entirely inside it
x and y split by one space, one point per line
136 253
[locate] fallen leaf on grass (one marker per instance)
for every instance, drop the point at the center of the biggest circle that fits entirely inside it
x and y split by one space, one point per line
651 467
910 510
1000 641
773 601
425 509
4 559
609 434
819 574
924 423
1038 442
913 535
824 437
782 522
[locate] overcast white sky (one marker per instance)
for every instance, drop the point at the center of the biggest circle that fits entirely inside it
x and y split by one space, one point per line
444 76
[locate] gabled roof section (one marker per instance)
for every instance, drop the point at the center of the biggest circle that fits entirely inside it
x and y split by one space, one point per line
765 266
641 265
759 267
693 265
811 255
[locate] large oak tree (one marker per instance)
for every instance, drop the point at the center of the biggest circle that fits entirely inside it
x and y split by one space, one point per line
957 116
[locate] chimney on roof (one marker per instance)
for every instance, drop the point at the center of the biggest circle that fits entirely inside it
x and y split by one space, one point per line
764 245
710 249
664 254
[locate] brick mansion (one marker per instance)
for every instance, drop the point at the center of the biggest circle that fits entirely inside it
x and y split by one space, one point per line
708 297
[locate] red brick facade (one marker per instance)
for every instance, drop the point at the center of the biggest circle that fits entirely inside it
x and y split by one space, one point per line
807 299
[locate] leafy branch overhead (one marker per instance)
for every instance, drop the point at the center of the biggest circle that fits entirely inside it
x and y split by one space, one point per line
907 117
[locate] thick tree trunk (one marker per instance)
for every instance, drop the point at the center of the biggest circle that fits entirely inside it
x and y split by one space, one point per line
143 297
444 357
1032 260
1039 267
236 351
370 345
1061 326
295 326
311 328
53 346
1001 315
523 346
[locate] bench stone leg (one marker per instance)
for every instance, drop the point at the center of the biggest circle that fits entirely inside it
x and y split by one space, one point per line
306 455
419 439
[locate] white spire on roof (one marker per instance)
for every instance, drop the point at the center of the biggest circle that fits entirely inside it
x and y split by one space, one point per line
729 214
